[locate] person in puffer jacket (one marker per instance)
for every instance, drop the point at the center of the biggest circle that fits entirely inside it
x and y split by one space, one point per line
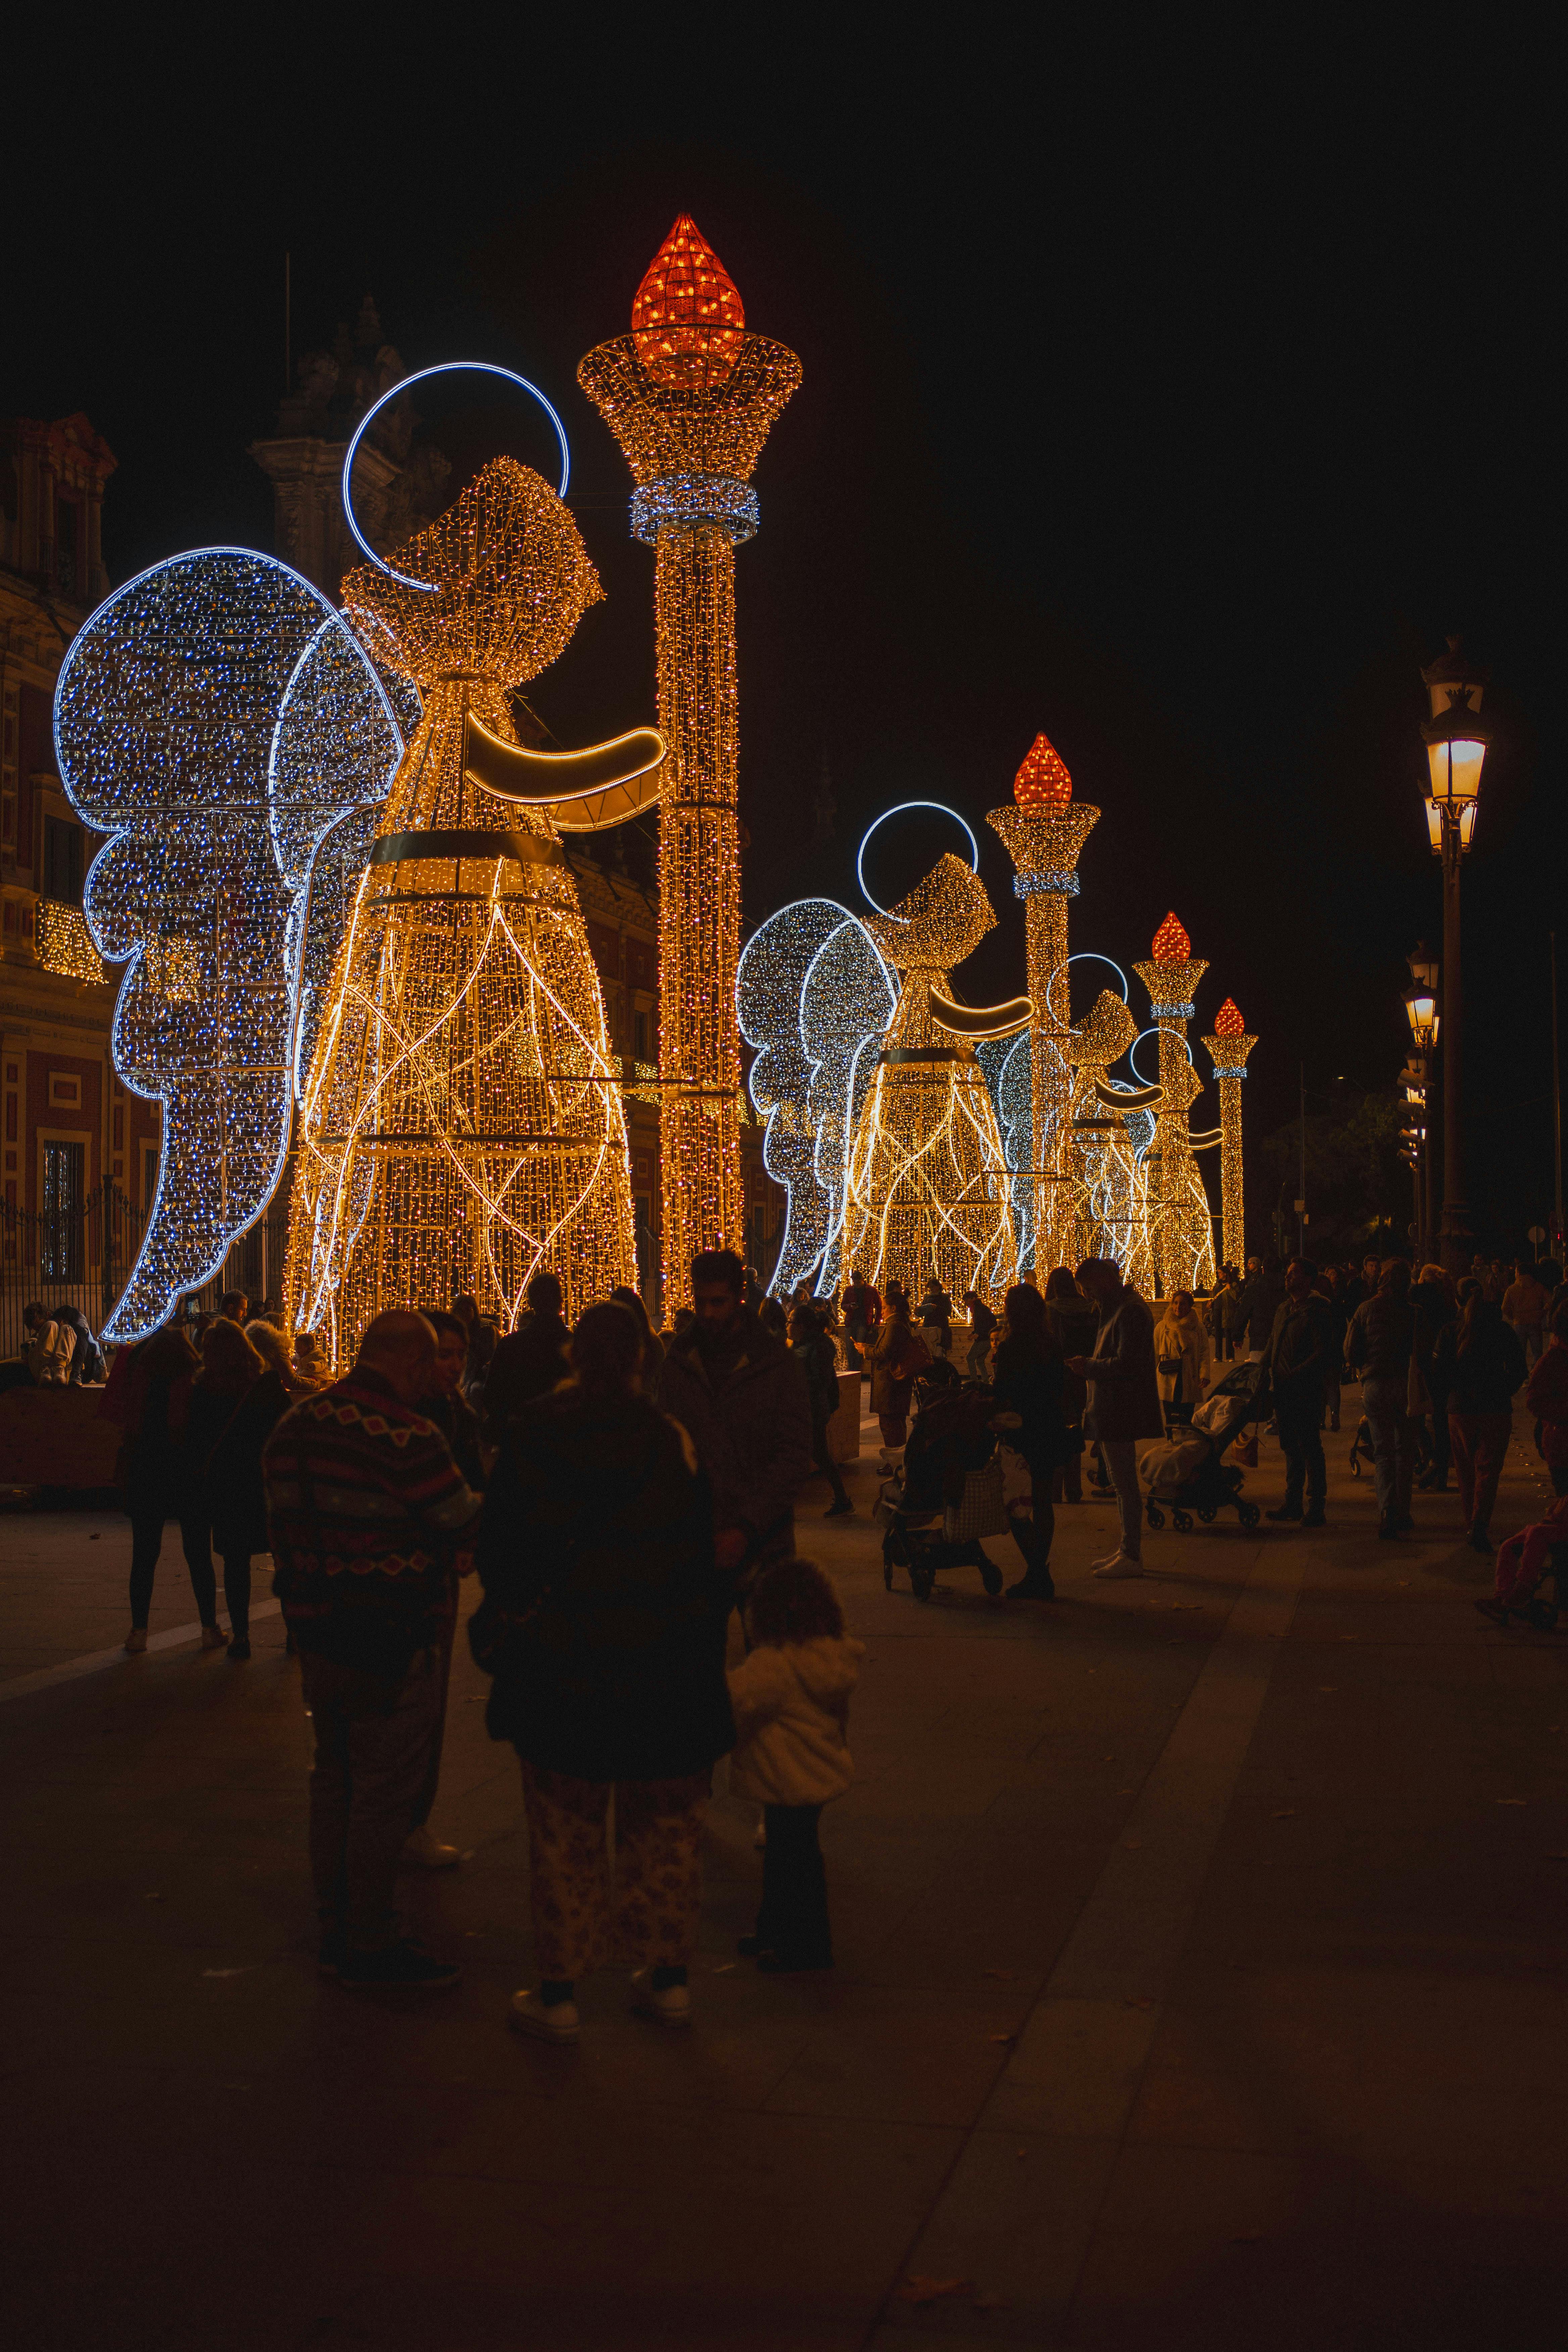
791 1701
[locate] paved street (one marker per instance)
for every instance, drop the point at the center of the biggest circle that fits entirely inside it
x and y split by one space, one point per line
1201 1984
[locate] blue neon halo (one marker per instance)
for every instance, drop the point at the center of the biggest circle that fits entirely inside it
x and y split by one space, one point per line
446 367
1090 955
861 854
1152 1031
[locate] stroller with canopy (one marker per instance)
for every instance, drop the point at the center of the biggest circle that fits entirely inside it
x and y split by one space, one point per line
946 1493
1189 1476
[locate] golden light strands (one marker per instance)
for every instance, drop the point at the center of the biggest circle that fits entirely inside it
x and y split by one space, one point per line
1183 1231
692 397
1045 830
927 1180
1228 1049
460 1127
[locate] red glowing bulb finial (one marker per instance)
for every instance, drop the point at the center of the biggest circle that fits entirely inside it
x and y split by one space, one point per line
1043 781
1227 1021
688 320
1171 944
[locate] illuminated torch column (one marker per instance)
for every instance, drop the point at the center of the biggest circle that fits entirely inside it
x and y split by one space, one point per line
1228 1049
1178 1205
1044 832
692 397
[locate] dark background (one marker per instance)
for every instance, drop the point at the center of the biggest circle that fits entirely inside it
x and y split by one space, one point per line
1174 391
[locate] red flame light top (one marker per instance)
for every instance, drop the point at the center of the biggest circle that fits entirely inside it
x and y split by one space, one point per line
688 318
1171 944
1043 781
1227 1021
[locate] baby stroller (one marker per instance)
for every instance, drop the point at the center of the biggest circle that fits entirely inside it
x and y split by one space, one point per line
946 1493
1190 1476
1527 1564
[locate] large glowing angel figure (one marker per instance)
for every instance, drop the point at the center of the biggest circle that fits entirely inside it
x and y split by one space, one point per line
881 1122
336 883
460 1124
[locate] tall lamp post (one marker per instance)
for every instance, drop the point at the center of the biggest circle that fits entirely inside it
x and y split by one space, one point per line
1456 740
1421 1010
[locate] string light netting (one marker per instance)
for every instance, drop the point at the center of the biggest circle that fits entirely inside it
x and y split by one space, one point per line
461 1125
927 1178
168 714
1228 1049
691 398
1182 1224
1045 832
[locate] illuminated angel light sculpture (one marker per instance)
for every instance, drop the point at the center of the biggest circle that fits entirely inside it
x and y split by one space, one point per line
1182 1222
1228 1049
217 719
692 397
460 1121
1045 832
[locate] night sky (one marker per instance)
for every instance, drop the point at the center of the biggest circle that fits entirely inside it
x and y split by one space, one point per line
1173 392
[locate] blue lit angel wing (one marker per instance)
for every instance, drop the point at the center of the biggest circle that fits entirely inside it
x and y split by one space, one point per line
342 724
812 993
769 985
167 722
847 999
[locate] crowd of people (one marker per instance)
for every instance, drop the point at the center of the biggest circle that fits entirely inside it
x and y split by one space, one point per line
628 1499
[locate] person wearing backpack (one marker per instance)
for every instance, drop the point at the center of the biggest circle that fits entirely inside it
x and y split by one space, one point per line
236 1403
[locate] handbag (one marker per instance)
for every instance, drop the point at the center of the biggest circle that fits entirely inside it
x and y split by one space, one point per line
1170 1365
982 1509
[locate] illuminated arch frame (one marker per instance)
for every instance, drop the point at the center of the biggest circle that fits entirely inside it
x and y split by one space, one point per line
1152 1031
942 810
446 367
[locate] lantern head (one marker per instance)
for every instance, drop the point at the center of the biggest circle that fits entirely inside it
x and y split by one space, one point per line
688 320
1171 944
1043 781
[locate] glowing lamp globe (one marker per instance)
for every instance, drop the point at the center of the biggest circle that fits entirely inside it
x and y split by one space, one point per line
1456 743
1043 781
1228 1022
1171 944
688 320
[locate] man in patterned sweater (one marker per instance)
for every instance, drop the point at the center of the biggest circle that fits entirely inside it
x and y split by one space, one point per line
367 1509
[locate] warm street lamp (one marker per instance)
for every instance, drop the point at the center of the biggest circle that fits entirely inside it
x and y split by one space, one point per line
1456 740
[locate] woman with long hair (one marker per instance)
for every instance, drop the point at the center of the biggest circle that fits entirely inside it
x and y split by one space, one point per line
814 1353
1182 1356
236 1404
1074 1321
897 1354
1027 1376
652 1345
597 1555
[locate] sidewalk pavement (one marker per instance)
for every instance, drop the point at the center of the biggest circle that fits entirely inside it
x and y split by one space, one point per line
1201 1983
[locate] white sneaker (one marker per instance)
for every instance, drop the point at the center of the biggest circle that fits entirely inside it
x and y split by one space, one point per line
423 1850
1110 1556
1121 1565
670 2007
558 2022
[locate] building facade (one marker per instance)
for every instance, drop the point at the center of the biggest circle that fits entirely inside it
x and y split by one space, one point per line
80 1152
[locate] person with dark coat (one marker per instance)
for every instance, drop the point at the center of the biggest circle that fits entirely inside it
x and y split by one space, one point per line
936 1319
1297 1360
896 1356
1261 1295
528 1362
981 1331
1124 1398
814 1352
1433 1304
862 1308
1377 1348
149 1397
1074 1321
652 1345
1028 1378
367 1511
742 1399
1547 1400
1482 1364
597 1558
236 1404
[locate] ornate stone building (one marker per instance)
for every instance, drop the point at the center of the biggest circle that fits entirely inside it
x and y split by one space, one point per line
80 1153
